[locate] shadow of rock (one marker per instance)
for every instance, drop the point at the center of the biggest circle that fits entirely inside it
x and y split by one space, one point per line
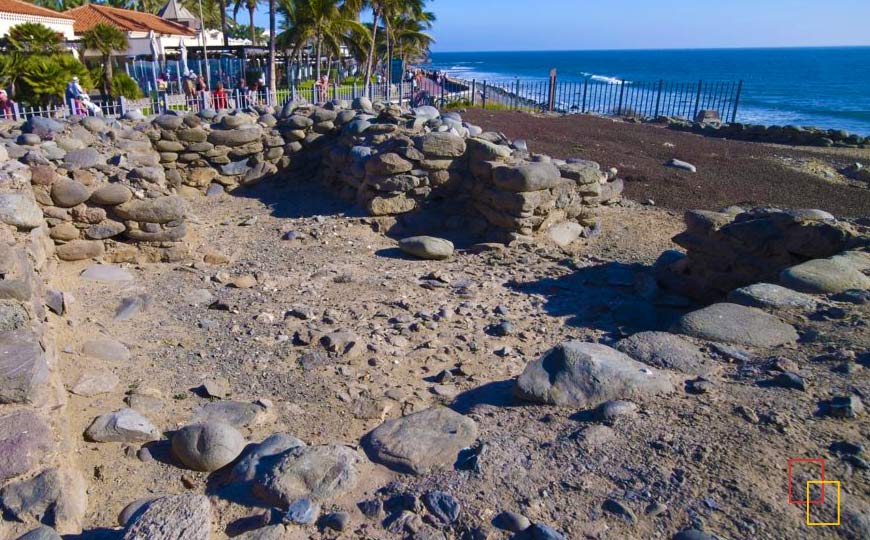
493 394
291 198
97 534
162 451
620 299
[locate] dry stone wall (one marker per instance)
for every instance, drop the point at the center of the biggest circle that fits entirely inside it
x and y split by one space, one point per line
39 480
736 247
389 160
100 188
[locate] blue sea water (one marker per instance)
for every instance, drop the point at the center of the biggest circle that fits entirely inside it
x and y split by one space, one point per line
824 87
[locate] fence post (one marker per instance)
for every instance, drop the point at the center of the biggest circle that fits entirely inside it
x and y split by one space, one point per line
516 99
552 93
164 102
619 110
353 91
334 90
473 90
697 101
736 102
16 113
484 94
443 85
122 104
658 99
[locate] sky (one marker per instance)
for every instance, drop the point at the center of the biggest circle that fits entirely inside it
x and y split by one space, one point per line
505 25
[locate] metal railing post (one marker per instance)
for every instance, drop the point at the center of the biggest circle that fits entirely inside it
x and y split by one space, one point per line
164 102
621 95
16 112
473 90
484 94
659 98
551 96
516 99
736 102
585 90
122 103
698 100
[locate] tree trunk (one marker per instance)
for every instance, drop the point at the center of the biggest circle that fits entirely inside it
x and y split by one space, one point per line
107 83
273 87
251 9
223 7
368 74
319 41
389 64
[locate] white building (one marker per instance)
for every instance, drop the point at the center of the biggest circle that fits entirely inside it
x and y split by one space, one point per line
15 12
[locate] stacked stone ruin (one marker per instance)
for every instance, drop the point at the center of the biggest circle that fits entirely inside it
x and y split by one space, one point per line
388 160
736 247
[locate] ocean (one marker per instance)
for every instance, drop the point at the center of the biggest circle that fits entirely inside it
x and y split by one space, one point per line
823 87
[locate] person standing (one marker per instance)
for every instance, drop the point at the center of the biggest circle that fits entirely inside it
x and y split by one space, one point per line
6 110
73 95
219 97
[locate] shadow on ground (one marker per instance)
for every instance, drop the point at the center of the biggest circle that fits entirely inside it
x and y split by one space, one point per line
289 198
619 299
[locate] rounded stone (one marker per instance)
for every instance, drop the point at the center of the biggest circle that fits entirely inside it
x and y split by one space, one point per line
79 250
111 195
736 324
824 276
67 193
207 447
427 247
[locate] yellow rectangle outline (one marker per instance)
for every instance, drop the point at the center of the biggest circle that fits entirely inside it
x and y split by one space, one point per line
813 524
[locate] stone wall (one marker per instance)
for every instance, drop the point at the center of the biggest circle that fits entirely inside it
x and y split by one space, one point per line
734 248
100 187
38 474
389 160
796 135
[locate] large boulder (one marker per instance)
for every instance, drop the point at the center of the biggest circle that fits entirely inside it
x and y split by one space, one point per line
578 374
423 442
736 324
54 497
175 517
316 472
44 127
823 276
207 446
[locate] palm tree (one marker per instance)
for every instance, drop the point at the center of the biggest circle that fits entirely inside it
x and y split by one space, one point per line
33 39
106 39
410 38
251 6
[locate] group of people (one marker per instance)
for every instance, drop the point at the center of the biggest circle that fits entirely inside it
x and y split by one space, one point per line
79 101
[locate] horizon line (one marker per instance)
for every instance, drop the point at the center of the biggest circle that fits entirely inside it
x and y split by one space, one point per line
748 48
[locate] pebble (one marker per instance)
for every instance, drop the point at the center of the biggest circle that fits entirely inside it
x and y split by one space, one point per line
302 511
511 521
617 508
443 506
790 380
337 521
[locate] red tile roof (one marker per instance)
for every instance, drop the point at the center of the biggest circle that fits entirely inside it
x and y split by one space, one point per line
24 8
89 15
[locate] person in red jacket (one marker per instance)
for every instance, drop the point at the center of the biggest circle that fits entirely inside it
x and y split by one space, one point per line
219 97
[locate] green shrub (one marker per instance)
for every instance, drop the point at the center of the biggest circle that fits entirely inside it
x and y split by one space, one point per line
126 86
42 80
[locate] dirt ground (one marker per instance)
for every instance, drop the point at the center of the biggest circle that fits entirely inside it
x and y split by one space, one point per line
716 460
729 172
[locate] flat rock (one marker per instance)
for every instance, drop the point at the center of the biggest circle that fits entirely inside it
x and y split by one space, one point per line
111 195
41 533
23 368
427 247
770 296
667 351
255 460
317 472
106 349
207 446
125 425
824 276
93 382
578 374
736 324
160 210
79 250
24 441
422 442
441 145
273 532
235 413
82 158
175 517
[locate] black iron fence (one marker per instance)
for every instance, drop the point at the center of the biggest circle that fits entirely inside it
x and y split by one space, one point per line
646 99
612 97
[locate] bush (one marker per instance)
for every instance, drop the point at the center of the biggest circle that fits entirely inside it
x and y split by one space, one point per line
42 80
126 86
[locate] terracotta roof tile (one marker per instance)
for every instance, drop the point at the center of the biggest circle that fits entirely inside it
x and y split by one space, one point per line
89 15
25 8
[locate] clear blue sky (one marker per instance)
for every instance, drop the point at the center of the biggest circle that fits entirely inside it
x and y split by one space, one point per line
490 25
